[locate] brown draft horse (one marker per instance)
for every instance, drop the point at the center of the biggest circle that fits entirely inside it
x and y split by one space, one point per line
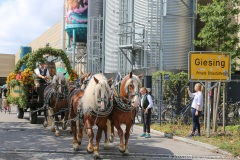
91 107
124 109
55 96
84 79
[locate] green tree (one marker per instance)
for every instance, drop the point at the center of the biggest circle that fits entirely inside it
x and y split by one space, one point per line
220 27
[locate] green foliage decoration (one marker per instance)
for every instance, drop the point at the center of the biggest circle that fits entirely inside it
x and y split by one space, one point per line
30 60
14 83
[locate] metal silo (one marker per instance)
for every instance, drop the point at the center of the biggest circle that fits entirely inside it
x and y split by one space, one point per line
111 35
177 33
95 58
168 31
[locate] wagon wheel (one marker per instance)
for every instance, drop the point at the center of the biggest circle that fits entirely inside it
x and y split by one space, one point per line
20 112
33 116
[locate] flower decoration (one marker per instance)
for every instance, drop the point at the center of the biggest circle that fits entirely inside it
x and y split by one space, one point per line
10 77
26 77
73 76
30 61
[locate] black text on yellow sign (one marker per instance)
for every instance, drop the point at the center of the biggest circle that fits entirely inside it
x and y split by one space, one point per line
209 66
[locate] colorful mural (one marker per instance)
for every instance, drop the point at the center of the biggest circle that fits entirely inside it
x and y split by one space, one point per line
76 18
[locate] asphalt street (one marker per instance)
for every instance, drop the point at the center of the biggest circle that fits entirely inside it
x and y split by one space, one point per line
21 140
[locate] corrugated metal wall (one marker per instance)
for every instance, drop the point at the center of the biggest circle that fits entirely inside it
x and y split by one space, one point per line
176 35
95 36
171 32
111 35
168 33
95 8
148 14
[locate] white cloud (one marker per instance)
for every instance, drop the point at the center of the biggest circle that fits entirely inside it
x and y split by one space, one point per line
24 20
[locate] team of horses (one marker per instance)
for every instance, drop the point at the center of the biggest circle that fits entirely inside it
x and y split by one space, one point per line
97 103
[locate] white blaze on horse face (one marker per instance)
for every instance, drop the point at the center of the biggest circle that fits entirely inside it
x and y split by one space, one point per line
59 88
103 90
135 99
101 94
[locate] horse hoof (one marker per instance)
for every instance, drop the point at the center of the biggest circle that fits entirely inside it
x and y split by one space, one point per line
70 132
110 139
122 151
64 127
76 147
57 134
96 155
122 148
44 125
89 151
106 146
126 153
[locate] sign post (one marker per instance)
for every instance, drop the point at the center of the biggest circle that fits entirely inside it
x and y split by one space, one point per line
210 67
208 87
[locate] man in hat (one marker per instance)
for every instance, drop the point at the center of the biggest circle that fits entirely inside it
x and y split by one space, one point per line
42 74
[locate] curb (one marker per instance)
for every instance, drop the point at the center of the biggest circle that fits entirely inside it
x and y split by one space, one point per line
188 140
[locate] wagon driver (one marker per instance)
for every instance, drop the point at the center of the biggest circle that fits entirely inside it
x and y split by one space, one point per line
42 74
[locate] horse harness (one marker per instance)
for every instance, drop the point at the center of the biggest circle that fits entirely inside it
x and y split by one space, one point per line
52 92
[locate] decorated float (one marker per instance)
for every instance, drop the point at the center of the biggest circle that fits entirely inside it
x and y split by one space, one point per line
21 91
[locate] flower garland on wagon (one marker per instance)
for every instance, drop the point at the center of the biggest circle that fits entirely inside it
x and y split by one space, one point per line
26 79
10 77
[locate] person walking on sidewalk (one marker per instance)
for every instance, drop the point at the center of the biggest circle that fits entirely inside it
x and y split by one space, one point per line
146 104
197 107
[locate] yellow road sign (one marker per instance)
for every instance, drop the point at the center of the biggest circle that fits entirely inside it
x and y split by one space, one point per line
209 66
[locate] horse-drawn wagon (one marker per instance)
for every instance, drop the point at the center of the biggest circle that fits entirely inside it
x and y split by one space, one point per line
22 92
30 104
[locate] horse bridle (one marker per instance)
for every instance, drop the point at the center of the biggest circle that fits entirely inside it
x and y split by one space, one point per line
107 100
63 95
130 94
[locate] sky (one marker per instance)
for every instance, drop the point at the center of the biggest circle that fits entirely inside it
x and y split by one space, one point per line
22 21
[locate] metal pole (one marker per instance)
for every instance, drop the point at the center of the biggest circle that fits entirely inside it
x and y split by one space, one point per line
224 101
73 48
205 106
161 98
69 43
208 109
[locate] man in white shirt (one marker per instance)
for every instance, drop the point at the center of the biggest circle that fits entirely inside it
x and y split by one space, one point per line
42 74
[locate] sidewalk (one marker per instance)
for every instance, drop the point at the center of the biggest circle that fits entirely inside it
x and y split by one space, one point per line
190 141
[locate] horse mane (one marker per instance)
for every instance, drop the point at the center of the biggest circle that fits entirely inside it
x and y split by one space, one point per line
89 100
59 76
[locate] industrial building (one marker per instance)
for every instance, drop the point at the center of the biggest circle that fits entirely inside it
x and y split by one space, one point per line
125 35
